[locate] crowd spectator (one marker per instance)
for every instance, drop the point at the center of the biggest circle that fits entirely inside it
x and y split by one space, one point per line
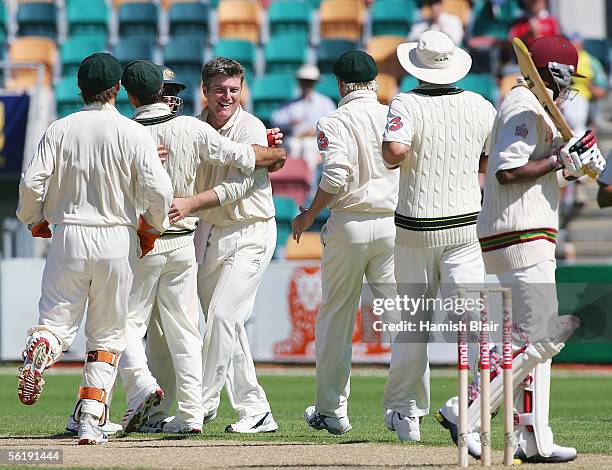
536 22
439 20
298 118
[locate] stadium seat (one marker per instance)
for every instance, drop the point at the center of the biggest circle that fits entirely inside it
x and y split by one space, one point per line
289 17
342 19
67 96
387 87
480 83
328 86
270 91
392 17
75 49
184 54
37 19
459 8
168 4
138 19
383 50
2 25
408 83
329 50
495 22
240 50
188 18
32 49
87 17
133 48
310 247
286 209
293 180
601 49
239 19
285 53
484 59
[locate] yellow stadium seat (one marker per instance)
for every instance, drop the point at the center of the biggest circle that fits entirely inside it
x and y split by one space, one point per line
459 8
342 19
384 51
239 19
31 49
309 247
387 87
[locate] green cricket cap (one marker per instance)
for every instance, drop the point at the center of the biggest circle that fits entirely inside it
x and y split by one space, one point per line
355 67
142 77
98 72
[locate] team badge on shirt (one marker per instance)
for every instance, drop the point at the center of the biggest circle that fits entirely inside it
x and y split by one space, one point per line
395 124
322 141
521 131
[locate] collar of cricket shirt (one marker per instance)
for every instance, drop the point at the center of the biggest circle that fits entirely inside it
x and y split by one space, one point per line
358 94
230 122
99 107
152 114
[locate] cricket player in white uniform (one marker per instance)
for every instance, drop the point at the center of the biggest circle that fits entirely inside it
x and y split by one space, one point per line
517 229
358 238
436 135
84 179
168 274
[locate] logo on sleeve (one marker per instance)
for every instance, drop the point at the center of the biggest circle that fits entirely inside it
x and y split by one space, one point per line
395 124
322 141
521 131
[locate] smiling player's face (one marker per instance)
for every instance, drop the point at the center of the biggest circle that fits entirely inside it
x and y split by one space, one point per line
223 97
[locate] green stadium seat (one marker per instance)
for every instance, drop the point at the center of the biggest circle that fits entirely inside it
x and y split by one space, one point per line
188 18
392 17
37 19
240 50
87 18
184 54
289 17
138 19
285 53
408 83
330 50
601 49
495 22
328 86
481 83
123 104
270 91
75 49
67 96
286 209
3 26
132 48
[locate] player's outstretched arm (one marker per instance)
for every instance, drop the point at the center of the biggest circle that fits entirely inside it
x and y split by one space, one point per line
269 157
530 171
394 153
304 221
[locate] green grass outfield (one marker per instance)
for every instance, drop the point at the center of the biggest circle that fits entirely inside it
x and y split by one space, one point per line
581 410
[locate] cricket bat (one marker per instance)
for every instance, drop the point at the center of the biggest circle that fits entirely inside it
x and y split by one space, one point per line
536 85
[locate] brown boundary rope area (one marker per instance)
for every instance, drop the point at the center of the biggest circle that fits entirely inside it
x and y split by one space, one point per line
178 453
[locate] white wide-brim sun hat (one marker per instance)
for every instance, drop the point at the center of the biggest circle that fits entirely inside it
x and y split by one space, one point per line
434 59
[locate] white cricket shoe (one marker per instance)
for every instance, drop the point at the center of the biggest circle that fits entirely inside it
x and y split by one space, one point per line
448 416
253 424
139 406
331 424
559 455
171 425
109 428
406 427
89 431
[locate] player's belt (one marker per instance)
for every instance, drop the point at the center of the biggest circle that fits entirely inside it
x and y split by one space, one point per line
503 240
436 223
155 120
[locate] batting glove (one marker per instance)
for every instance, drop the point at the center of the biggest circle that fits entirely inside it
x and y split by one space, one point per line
577 150
147 236
41 229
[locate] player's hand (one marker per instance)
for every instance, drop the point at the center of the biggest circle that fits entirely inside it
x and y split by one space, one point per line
147 236
275 137
181 208
41 229
162 152
301 223
580 151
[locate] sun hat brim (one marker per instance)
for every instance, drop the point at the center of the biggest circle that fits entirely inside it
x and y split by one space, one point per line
457 69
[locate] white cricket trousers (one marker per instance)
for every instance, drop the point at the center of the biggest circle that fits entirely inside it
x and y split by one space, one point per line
166 281
235 261
422 272
534 310
355 243
89 265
